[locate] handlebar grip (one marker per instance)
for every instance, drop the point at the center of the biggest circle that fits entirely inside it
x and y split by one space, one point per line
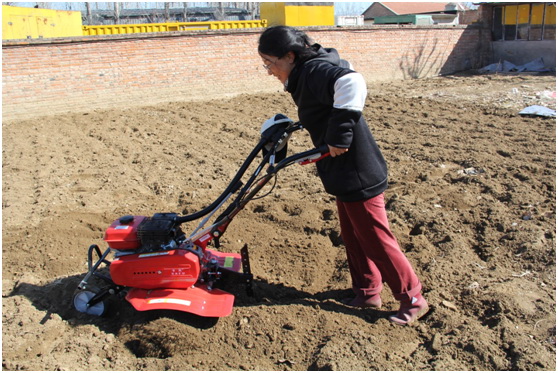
315 155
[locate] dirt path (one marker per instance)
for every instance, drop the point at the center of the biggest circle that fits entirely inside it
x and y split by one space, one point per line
472 200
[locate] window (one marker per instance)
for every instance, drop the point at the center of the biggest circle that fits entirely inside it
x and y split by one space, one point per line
510 22
523 21
498 30
549 32
537 17
534 21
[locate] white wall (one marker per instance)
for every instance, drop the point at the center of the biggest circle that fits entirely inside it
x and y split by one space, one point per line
522 51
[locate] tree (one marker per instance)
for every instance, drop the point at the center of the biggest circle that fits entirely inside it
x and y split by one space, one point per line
116 12
167 11
88 13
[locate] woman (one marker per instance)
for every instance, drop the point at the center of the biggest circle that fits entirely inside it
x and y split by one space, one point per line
330 98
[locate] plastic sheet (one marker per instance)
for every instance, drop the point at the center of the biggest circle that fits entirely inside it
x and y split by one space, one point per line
506 66
538 110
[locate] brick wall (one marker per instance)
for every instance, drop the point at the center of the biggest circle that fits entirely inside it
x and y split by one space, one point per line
44 77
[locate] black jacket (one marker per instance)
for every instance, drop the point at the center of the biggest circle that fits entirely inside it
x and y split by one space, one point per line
360 173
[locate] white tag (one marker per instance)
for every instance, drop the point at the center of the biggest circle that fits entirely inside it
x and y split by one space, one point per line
170 300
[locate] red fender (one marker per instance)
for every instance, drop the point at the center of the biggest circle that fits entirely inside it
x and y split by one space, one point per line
197 300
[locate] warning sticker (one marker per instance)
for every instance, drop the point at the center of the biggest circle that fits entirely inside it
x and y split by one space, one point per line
229 261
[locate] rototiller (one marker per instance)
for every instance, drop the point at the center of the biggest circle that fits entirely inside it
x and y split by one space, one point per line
157 266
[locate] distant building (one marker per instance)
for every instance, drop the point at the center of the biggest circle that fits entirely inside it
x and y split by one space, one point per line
298 14
158 15
349 20
521 32
419 13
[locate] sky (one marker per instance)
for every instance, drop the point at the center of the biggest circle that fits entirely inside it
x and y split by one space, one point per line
350 8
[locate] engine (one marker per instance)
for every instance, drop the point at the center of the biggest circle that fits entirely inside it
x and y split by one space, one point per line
148 254
144 234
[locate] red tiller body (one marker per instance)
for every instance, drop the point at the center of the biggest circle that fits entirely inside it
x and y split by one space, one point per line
173 269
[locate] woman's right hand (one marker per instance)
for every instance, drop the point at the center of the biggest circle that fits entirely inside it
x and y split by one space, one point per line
334 151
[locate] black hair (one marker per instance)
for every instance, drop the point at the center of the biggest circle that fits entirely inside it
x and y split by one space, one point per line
277 41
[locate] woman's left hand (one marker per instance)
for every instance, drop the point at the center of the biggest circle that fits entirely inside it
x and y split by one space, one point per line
334 152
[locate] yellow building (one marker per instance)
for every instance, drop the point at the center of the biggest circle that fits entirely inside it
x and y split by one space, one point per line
298 14
32 23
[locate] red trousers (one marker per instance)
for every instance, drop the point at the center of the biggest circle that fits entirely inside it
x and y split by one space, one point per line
373 253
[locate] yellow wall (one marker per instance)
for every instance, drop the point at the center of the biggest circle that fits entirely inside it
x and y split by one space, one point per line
293 14
31 23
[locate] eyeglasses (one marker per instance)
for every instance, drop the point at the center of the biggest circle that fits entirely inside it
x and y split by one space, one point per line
268 67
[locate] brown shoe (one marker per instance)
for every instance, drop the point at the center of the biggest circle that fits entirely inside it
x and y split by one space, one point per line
410 311
373 301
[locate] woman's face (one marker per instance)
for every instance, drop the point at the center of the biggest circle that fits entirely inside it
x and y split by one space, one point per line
279 67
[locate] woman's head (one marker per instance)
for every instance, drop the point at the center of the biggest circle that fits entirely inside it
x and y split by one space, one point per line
281 47
277 41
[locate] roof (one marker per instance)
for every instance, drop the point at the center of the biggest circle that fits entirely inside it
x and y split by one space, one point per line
414 8
403 8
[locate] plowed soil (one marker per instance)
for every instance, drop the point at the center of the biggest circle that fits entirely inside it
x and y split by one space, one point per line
472 200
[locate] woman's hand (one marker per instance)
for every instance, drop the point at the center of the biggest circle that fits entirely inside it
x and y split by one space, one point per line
334 152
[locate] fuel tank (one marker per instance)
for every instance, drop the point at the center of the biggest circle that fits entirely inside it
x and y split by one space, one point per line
123 233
